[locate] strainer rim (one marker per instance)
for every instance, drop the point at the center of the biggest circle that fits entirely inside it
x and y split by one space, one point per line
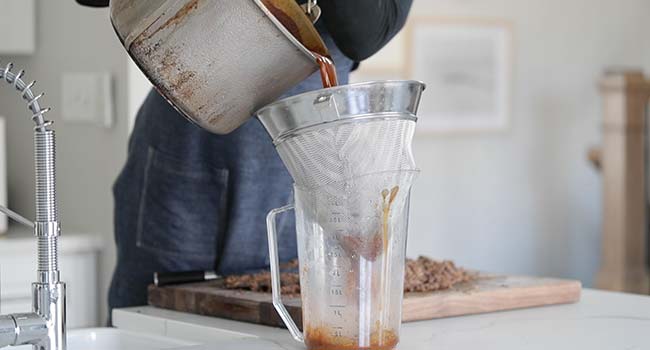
286 100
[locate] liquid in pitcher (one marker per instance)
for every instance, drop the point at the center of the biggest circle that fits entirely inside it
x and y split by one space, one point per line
332 339
352 295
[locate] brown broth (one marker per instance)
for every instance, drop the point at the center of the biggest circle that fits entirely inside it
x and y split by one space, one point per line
388 199
325 339
327 71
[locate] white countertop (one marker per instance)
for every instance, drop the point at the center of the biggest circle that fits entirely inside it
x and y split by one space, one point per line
601 320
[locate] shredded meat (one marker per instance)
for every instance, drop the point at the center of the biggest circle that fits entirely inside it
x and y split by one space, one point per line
261 282
425 275
421 275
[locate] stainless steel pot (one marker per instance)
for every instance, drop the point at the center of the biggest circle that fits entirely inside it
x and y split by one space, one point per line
218 61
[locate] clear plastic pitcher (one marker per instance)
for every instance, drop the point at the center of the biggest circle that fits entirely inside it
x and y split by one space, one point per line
348 150
351 248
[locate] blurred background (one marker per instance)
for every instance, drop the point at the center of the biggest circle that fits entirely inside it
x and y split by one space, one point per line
518 96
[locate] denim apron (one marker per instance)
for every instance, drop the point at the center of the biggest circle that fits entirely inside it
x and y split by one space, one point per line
190 200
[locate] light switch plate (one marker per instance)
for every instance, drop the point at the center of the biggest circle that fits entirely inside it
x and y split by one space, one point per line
87 98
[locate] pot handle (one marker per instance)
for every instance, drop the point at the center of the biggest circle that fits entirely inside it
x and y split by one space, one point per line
275 273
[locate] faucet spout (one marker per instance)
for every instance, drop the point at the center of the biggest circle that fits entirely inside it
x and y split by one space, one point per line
22 329
45 327
49 305
8 330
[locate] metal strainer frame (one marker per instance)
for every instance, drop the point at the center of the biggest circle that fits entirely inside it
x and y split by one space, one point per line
374 99
328 135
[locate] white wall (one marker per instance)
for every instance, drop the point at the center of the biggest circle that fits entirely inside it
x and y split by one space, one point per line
138 88
526 200
70 38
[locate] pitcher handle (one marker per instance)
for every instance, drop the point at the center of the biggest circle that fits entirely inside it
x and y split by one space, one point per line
275 273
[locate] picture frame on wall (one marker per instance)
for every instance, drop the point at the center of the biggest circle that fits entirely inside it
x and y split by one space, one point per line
466 65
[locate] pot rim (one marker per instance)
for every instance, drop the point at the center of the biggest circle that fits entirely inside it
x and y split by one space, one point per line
285 31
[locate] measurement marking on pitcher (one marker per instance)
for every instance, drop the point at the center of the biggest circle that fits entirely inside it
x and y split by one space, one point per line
335 254
337 332
337 310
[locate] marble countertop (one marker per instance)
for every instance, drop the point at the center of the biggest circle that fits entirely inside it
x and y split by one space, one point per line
601 320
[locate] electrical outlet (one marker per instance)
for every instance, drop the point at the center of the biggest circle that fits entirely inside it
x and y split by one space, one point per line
87 98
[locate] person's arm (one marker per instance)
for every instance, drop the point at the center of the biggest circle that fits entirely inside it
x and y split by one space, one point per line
360 28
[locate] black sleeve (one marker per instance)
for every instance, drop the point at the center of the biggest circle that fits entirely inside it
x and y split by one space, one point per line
93 3
360 28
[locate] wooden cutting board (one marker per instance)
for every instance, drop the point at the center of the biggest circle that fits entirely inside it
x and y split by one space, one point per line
486 294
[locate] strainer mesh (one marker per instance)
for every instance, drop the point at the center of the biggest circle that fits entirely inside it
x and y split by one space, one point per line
346 149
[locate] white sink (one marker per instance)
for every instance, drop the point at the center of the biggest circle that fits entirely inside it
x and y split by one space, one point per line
117 339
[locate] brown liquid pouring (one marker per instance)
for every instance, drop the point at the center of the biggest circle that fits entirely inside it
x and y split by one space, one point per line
300 26
388 199
327 70
372 246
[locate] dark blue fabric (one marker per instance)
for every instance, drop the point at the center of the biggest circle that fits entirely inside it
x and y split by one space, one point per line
190 200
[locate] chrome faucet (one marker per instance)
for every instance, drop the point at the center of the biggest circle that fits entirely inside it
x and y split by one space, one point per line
44 327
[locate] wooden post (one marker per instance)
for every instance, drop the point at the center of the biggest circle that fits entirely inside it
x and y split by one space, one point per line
624 264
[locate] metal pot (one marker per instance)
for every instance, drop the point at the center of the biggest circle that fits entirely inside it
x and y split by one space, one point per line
218 61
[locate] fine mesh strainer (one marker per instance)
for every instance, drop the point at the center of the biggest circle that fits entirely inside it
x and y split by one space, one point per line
348 149
330 135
